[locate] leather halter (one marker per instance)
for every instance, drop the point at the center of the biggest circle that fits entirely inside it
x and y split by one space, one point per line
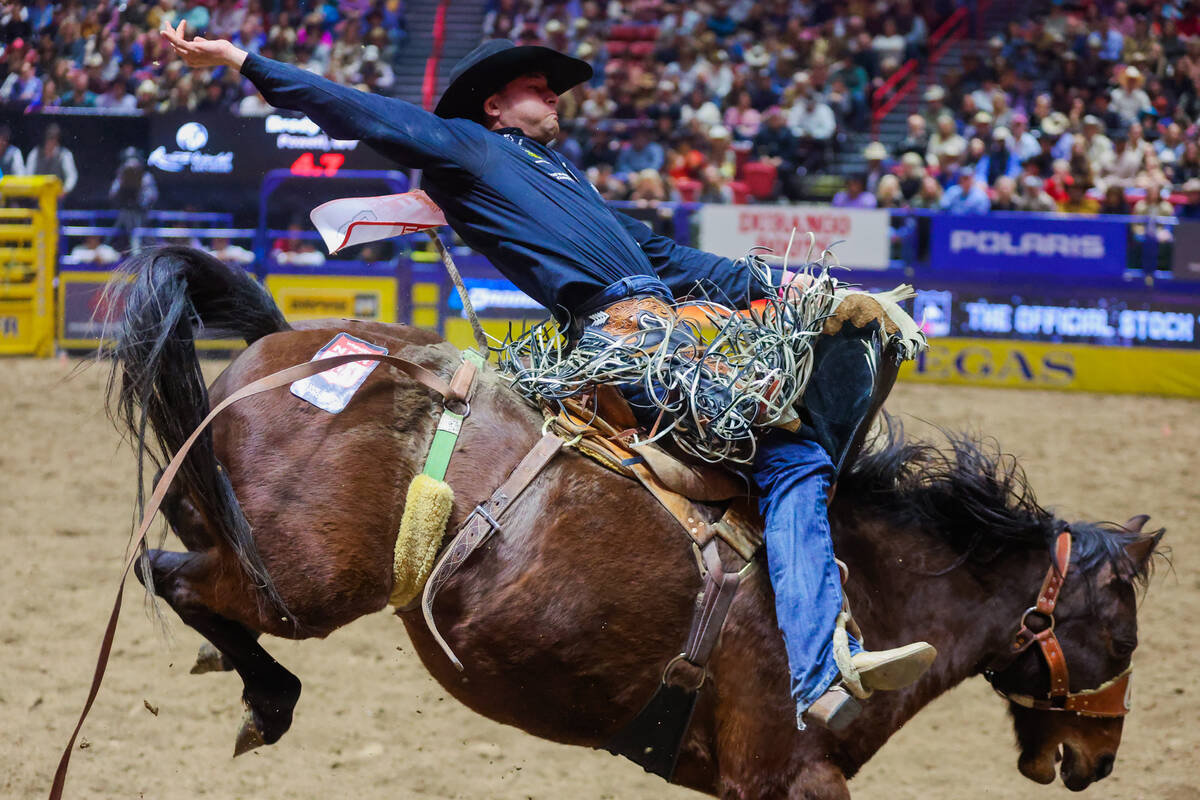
1110 699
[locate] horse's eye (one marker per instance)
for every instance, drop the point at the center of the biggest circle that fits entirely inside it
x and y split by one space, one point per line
1123 647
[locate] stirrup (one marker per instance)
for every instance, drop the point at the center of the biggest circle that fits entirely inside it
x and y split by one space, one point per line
835 710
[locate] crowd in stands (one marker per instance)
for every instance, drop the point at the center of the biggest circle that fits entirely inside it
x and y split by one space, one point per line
1082 106
1075 109
107 54
1079 106
717 101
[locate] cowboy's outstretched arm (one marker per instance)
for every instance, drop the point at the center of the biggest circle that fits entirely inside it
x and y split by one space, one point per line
689 272
409 135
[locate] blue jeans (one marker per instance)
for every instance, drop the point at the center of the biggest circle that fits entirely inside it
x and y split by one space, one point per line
793 474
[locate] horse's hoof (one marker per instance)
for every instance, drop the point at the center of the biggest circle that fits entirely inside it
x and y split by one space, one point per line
249 736
209 659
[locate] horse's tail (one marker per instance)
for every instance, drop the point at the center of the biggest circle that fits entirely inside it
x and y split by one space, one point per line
157 391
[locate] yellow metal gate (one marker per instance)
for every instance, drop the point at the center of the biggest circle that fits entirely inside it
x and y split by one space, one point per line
28 256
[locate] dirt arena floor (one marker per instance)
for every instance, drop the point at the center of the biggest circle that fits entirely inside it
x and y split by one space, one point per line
372 724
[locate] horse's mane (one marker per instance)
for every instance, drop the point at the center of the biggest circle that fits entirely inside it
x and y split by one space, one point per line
975 498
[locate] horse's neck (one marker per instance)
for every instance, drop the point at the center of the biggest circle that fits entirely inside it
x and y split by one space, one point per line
969 613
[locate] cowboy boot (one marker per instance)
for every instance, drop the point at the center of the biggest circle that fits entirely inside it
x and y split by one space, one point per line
889 670
878 670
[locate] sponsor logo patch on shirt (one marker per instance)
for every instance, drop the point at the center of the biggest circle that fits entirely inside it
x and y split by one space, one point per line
331 390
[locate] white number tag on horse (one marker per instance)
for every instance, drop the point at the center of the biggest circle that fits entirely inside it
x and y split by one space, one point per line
332 389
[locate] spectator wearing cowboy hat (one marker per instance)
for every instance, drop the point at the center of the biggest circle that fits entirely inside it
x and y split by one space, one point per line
874 154
916 140
935 105
1099 148
133 193
1129 99
486 162
944 139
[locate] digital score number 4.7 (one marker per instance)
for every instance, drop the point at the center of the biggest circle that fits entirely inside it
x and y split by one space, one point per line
327 165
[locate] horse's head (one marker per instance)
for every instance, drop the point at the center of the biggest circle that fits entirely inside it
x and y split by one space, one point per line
1094 620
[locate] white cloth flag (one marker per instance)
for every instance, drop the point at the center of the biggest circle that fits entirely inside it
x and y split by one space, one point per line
358 220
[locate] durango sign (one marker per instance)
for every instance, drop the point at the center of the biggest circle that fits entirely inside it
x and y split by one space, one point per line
859 238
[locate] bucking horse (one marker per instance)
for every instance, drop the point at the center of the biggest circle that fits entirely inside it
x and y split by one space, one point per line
565 620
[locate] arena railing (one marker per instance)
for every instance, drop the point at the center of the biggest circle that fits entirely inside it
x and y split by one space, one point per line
1147 257
1148 251
154 215
429 84
904 80
394 180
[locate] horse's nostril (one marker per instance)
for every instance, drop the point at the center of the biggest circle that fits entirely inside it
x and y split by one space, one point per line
1105 766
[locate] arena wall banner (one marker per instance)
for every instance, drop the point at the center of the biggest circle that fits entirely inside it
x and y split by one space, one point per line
862 237
432 302
321 296
215 146
1036 365
95 140
1185 257
1124 339
219 160
87 316
1022 243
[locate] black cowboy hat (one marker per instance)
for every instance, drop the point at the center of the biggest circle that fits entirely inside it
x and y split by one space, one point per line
486 69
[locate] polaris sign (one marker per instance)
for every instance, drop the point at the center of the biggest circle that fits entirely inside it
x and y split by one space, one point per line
1020 243
1039 244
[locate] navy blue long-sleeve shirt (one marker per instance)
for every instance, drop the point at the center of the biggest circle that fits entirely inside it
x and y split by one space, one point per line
528 210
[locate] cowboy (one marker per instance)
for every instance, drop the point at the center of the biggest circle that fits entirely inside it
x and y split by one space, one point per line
486 161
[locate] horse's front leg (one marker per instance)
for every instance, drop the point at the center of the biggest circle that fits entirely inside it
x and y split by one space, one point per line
270 692
818 781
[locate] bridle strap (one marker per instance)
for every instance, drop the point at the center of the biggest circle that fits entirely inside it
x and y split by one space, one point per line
1056 576
273 381
479 526
1111 699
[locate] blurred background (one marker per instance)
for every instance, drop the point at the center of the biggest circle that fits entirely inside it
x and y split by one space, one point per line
1032 167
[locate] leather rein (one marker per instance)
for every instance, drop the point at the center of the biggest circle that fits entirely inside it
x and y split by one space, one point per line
1110 699
453 392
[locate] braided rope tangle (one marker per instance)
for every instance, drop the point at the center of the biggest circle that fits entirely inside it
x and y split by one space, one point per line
711 385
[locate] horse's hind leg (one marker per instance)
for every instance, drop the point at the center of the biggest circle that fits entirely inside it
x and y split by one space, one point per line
270 691
189 526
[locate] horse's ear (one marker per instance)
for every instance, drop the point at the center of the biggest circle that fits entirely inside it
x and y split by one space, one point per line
1140 549
1135 524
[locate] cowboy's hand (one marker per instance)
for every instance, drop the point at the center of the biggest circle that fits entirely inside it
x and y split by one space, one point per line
794 283
200 52
798 280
